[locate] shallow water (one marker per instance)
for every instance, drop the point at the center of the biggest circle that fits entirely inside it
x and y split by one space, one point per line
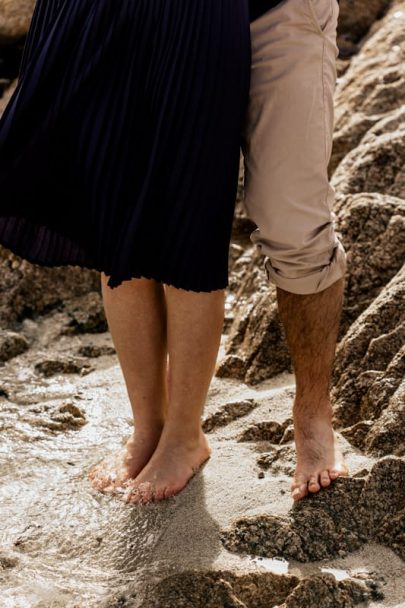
61 542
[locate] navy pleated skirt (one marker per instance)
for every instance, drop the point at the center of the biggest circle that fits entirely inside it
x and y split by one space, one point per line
119 149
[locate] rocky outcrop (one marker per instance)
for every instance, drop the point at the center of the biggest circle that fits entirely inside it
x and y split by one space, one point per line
370 187
332 523
372 229
27 289
373 87
368 374
214 589
85 315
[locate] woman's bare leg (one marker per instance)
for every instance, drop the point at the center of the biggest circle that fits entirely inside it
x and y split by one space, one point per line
194 326
136 315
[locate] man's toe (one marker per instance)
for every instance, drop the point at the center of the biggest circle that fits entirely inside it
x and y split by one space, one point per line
325 479
336 472
313 484
299 488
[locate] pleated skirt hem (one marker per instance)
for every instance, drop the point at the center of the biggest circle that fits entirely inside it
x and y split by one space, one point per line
55 250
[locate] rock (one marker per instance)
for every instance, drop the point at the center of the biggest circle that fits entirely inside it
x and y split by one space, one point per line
64 365
288 434
369 364
374 84
231 366
11 345
227 414
15 18
387 434
263 431
383 496
356 17
374 167
86 315
391 123
247 275
92 351
358 432
278 461
243 226
8 561
256 348
372 229
27 289
224 589
348 514
37 422
322 591
266 431
63 417
392 533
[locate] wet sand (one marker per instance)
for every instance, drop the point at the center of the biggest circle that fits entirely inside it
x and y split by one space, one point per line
64 544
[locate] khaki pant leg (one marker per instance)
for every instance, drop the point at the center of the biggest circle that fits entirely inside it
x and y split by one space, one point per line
288 144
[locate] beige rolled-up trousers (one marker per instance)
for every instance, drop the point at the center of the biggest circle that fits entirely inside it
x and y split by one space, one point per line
287 144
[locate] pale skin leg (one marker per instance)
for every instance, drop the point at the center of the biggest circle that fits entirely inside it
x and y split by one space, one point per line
136 315
147 323
194 328
311 325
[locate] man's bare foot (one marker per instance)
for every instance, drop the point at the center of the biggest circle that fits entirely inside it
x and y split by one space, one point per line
138 450
319 459
169 470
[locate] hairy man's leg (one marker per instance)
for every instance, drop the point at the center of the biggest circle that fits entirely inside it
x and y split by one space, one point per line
311 324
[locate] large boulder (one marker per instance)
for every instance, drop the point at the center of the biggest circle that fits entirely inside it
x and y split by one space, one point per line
29 289
374 84
356 17
15 18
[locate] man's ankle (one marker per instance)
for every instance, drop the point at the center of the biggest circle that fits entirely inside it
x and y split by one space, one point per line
312 411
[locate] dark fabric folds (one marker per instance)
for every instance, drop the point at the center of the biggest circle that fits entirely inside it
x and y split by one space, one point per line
119 149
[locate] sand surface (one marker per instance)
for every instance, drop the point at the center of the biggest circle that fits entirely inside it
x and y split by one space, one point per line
64 544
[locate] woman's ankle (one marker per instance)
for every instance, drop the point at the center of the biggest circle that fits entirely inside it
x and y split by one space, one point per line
179 433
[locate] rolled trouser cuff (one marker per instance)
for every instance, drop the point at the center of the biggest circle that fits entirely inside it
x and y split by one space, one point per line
313 281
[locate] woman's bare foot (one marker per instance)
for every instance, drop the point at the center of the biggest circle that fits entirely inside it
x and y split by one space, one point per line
108 475
172 465
319 459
